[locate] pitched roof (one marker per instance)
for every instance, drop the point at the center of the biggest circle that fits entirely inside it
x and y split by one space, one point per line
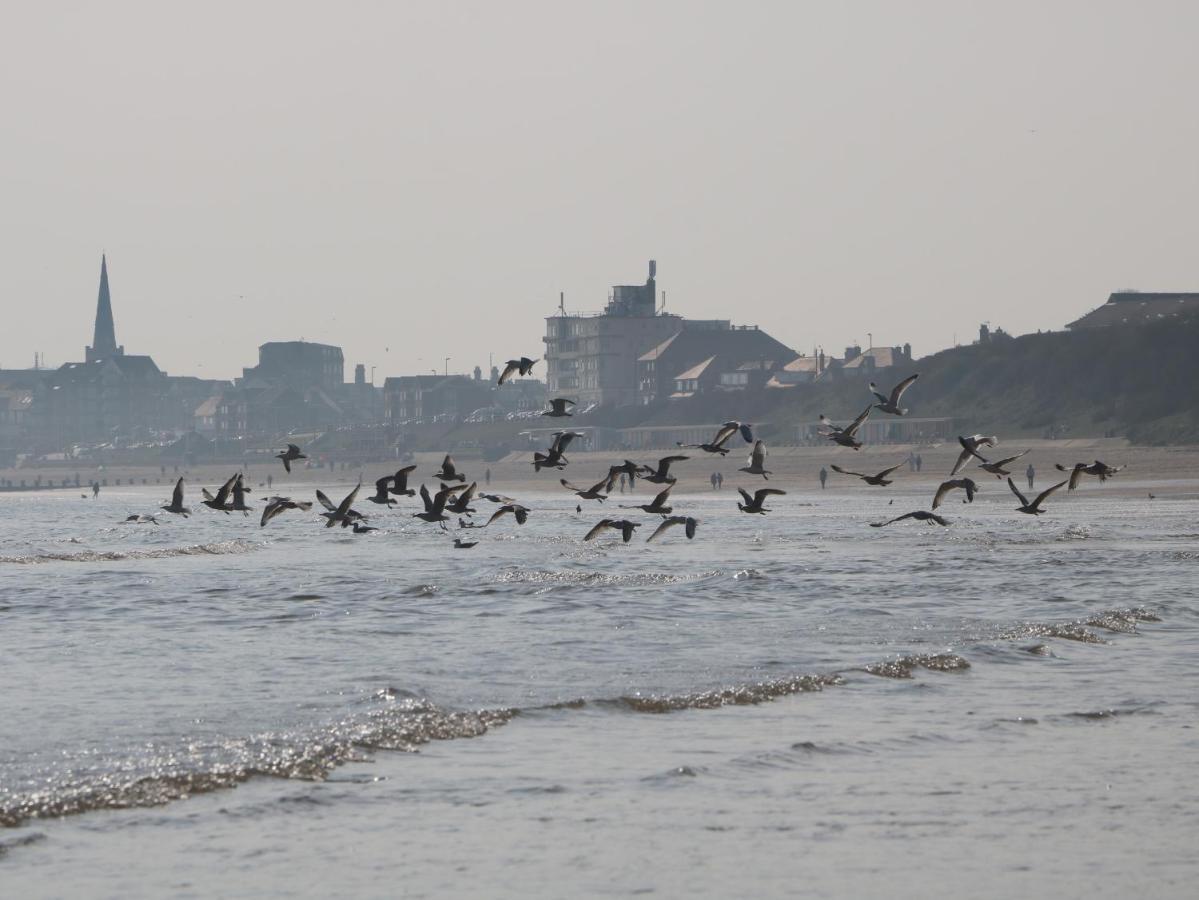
803 364
884 358
659 350
695 371
208 407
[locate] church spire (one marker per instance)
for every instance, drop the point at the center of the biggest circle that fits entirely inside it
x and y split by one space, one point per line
104 339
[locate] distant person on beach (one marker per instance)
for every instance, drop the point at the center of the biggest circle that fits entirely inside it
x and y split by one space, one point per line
912 461
95 489
1030 473
270 481
622 482
487 477
719 482
713 480
823 477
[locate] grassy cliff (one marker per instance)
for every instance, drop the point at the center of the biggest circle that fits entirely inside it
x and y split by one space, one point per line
1139 382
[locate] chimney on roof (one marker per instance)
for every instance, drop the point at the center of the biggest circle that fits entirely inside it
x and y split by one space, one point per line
360 373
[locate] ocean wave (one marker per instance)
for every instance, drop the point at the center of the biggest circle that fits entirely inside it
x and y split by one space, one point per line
904 666
734 695
219 548
175 773
581 578
1123 621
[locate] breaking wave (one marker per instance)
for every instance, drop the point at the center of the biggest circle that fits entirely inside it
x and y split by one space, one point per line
175 773
518 575
904 666
219 548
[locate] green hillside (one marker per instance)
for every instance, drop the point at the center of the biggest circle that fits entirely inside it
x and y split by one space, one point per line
1138 382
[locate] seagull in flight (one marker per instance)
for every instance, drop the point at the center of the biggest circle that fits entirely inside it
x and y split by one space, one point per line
890 404
919 515
520 513
595 492
657 505
290 455
723 433
879 480
523 366
555 457
997 468
276 505
661 475
1034 508
400 485
342 512
176 505
965 484
846 436
558 408
351 514
670 521
239 497
381 495
629 468
624 526
756 464
970 447
221 500
449 472
755 504
1097 468
460 503
434 510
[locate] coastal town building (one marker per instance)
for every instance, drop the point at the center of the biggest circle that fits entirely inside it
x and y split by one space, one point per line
110 395
706 355
633 353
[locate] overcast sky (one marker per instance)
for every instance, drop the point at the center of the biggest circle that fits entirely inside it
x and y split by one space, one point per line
419 180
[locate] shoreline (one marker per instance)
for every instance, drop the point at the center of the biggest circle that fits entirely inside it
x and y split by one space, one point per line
794 467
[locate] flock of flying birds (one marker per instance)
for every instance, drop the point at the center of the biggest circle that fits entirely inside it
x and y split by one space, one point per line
454 495
889 403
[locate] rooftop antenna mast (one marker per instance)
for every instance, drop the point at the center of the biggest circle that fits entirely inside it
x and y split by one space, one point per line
562 302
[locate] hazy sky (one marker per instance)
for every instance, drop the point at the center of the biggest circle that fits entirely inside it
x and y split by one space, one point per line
420 180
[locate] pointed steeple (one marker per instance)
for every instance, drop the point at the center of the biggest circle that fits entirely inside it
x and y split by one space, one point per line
104 338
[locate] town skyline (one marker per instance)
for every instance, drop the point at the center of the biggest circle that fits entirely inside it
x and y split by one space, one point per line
434 363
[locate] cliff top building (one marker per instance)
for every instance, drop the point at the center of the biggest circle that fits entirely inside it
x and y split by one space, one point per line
592 357
632 352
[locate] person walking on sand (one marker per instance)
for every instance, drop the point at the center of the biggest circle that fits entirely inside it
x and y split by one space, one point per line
487 477
1030 473
912 461
713 480
95 489
719 481
823 477
919 462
